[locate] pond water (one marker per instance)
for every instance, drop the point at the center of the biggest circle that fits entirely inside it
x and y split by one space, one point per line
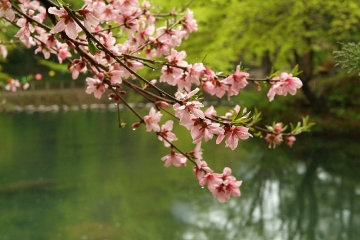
77 176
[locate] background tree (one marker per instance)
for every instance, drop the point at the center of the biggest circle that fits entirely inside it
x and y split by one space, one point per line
275 34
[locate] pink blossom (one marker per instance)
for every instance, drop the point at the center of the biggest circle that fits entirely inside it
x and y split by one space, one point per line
165 133
188 108
200 169
5 10
189 23
3 51
145 5
212 179
162 46
65 23
116 76
284 84
169 75
210 112
12 85
182 83
106 12
236 82
194 73
89 18
273 139
109 42
232 135
126 5
172 36
197 152
144 33
77 66
175 159
133 65
63 51
229 187
204 128
50 40
42 47
212 85
225 186
24 33
95 86
177 58
128 19
290 140
152 120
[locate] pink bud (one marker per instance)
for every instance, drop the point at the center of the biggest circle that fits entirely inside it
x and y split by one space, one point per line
278 127
258 87
70 44
152 82
161 104
113 96
135 125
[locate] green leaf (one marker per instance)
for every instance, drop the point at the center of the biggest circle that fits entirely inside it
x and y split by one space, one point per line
62 3
295 72
92 47
258 134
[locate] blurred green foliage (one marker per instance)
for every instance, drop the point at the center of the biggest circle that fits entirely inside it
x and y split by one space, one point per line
234 30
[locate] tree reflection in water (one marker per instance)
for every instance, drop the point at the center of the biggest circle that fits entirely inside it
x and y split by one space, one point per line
314 195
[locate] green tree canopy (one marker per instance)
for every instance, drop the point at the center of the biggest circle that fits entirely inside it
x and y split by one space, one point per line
272 33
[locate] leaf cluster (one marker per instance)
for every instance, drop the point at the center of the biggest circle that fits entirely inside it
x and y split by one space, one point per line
348 57
303 126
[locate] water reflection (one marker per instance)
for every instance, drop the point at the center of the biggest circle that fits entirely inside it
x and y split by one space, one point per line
77 176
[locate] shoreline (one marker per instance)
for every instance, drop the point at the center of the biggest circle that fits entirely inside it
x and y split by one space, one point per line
76 99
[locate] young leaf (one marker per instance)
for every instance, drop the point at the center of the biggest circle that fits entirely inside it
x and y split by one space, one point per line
92 47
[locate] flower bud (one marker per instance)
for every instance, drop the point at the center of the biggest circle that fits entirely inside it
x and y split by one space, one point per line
134 126
258 87
278 127
153 82
161 104
70 44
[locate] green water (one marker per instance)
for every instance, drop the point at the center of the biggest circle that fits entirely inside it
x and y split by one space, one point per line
76 175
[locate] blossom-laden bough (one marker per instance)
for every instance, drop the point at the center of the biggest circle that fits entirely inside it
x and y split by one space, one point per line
113 40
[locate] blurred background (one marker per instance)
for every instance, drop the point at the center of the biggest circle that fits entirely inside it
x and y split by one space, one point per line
69 172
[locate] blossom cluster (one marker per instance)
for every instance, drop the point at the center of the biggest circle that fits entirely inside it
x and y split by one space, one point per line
275 137
284 84
111 41
221 185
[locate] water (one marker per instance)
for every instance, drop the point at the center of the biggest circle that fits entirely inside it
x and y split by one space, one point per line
77 175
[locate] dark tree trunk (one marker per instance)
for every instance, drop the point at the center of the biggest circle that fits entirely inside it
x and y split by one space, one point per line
266 63
306 65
